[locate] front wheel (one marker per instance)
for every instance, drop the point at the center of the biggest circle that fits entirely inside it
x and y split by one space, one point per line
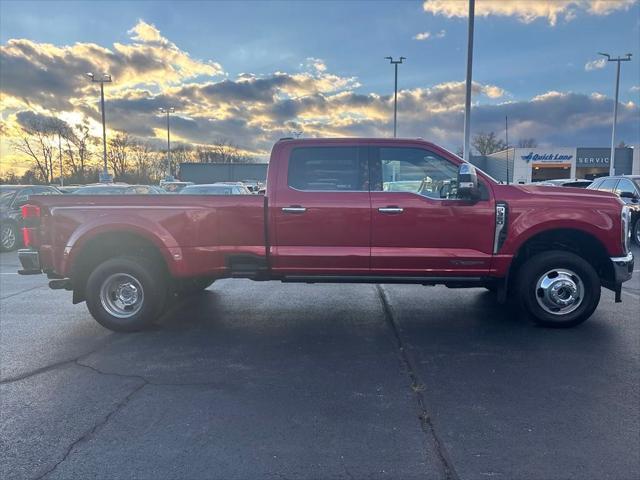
558 289
636 232
126 294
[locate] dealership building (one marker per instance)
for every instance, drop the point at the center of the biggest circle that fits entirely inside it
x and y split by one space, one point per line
525 165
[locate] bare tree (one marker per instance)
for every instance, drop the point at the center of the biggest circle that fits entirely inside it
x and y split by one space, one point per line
527 143
181 153
141 153
222 151
37 142
118 154
78 143
487 143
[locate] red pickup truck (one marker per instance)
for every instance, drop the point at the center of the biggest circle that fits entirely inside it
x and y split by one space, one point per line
338 210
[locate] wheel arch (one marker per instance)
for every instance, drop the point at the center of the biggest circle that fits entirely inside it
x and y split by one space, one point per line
575 240
97 246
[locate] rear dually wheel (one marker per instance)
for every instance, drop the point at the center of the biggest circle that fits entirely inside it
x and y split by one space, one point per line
126 294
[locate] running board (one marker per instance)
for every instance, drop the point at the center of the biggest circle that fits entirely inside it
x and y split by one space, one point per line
451 282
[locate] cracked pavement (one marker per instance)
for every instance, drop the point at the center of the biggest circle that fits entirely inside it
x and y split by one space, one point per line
267 380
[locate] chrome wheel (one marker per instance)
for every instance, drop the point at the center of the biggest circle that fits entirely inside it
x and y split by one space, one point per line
559 291
121 295
8 237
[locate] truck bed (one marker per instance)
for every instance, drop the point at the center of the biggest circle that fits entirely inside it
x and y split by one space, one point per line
195 233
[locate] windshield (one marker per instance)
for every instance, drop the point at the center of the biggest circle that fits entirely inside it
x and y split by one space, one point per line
101 190
6 195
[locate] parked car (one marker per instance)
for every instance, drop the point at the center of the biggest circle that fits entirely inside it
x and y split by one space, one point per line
215 189
118 189
326 218
253 185
566 182
173 187
627 187
12 198
67 189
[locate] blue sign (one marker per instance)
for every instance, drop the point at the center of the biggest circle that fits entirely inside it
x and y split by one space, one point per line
546 157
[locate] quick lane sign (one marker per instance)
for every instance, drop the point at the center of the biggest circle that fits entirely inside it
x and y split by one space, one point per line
546 157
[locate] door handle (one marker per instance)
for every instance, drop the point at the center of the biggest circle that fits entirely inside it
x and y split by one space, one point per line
391 210
294 209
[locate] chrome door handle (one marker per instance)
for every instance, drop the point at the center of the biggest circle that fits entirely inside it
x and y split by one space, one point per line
391 210
296 209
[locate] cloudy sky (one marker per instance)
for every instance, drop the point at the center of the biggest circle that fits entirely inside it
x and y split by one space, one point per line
252 72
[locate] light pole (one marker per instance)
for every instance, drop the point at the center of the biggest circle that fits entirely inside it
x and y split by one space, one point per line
168 111
395 63
60 158
105 78
615 107
467 100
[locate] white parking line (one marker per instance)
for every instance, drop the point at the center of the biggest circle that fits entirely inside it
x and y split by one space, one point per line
633 295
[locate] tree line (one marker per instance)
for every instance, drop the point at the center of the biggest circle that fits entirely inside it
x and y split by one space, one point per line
46 142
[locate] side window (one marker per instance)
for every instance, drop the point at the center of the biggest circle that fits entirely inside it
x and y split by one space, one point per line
22 197
329 169
596 184
625 185
414 170
608 184
44 191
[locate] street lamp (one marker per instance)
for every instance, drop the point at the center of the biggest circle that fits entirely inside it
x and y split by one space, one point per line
395 63
168 111
615 107
104 78
467 98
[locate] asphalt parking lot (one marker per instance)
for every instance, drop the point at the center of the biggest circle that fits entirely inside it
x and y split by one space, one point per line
280 381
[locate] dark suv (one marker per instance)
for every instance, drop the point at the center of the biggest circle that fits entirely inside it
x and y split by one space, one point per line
627 187
12 198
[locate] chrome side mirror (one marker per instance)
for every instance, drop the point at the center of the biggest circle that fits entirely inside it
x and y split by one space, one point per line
468 182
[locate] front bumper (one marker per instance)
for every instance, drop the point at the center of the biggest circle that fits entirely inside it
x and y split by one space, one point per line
622 268
30 261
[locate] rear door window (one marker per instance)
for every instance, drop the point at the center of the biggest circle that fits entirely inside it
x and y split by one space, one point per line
329 169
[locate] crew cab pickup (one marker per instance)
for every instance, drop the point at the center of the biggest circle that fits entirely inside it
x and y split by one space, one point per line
338 210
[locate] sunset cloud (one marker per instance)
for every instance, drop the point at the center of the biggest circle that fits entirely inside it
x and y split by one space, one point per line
529 10
41 80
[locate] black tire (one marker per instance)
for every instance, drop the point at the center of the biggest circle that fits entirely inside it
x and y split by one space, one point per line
636 231
9 237
129 271
581 273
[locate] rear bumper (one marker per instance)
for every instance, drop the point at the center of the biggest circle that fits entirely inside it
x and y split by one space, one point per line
30 261
622 268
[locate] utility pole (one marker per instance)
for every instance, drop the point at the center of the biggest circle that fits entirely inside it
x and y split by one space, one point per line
168 111
506 137
105 78
467 101
626 58
395 63
60 158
